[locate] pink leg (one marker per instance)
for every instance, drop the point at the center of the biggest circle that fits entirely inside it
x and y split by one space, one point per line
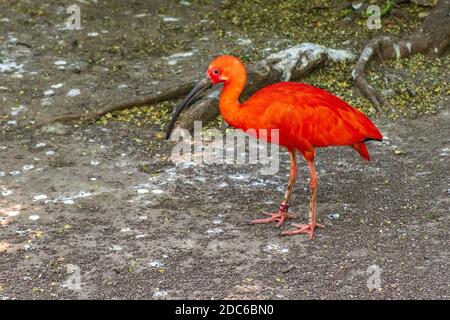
310 227
282 214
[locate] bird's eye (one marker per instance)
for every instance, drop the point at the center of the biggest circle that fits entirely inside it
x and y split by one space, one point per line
216 72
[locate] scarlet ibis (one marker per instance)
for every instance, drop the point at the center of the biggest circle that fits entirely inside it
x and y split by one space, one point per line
306 117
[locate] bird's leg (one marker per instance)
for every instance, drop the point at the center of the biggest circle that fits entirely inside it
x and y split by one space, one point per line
308 228
282 214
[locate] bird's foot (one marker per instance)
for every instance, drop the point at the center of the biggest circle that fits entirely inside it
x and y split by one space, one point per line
280 216
303 228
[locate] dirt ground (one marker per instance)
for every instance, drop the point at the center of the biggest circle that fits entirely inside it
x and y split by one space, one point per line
98 201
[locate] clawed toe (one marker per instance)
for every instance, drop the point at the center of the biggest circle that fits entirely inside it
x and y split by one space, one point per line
279 217
303 228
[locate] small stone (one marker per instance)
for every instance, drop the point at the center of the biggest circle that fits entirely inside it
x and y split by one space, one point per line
57 86
156 264
214 231
333 216
74 93
399 152
40 145
160 293
7 193
34 217
16 110
40 197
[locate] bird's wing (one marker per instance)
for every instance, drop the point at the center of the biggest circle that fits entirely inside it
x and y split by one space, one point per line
316 117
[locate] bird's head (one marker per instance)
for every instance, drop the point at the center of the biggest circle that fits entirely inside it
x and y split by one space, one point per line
223 68
220 70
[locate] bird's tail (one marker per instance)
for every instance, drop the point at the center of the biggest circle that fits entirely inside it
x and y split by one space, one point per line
361 148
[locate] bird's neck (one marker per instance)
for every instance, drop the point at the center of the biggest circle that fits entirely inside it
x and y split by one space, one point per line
229 99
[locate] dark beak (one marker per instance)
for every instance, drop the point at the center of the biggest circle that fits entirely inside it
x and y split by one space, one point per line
200 87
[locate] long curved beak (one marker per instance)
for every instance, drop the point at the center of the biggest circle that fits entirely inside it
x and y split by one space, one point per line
200 87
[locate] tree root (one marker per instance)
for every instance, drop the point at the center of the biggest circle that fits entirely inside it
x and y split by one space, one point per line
170 94
432 39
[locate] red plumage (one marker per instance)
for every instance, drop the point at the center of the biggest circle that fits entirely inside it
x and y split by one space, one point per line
306 117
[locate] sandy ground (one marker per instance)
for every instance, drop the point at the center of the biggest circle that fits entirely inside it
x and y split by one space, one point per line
87 211
183 231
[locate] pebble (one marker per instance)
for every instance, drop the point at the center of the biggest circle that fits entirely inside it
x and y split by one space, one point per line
156 264
399 152
160 293
74 93
333 216
40 197
57 86
214 231
7 193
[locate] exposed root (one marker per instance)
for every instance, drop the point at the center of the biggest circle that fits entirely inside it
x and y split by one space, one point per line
432 39
170 94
